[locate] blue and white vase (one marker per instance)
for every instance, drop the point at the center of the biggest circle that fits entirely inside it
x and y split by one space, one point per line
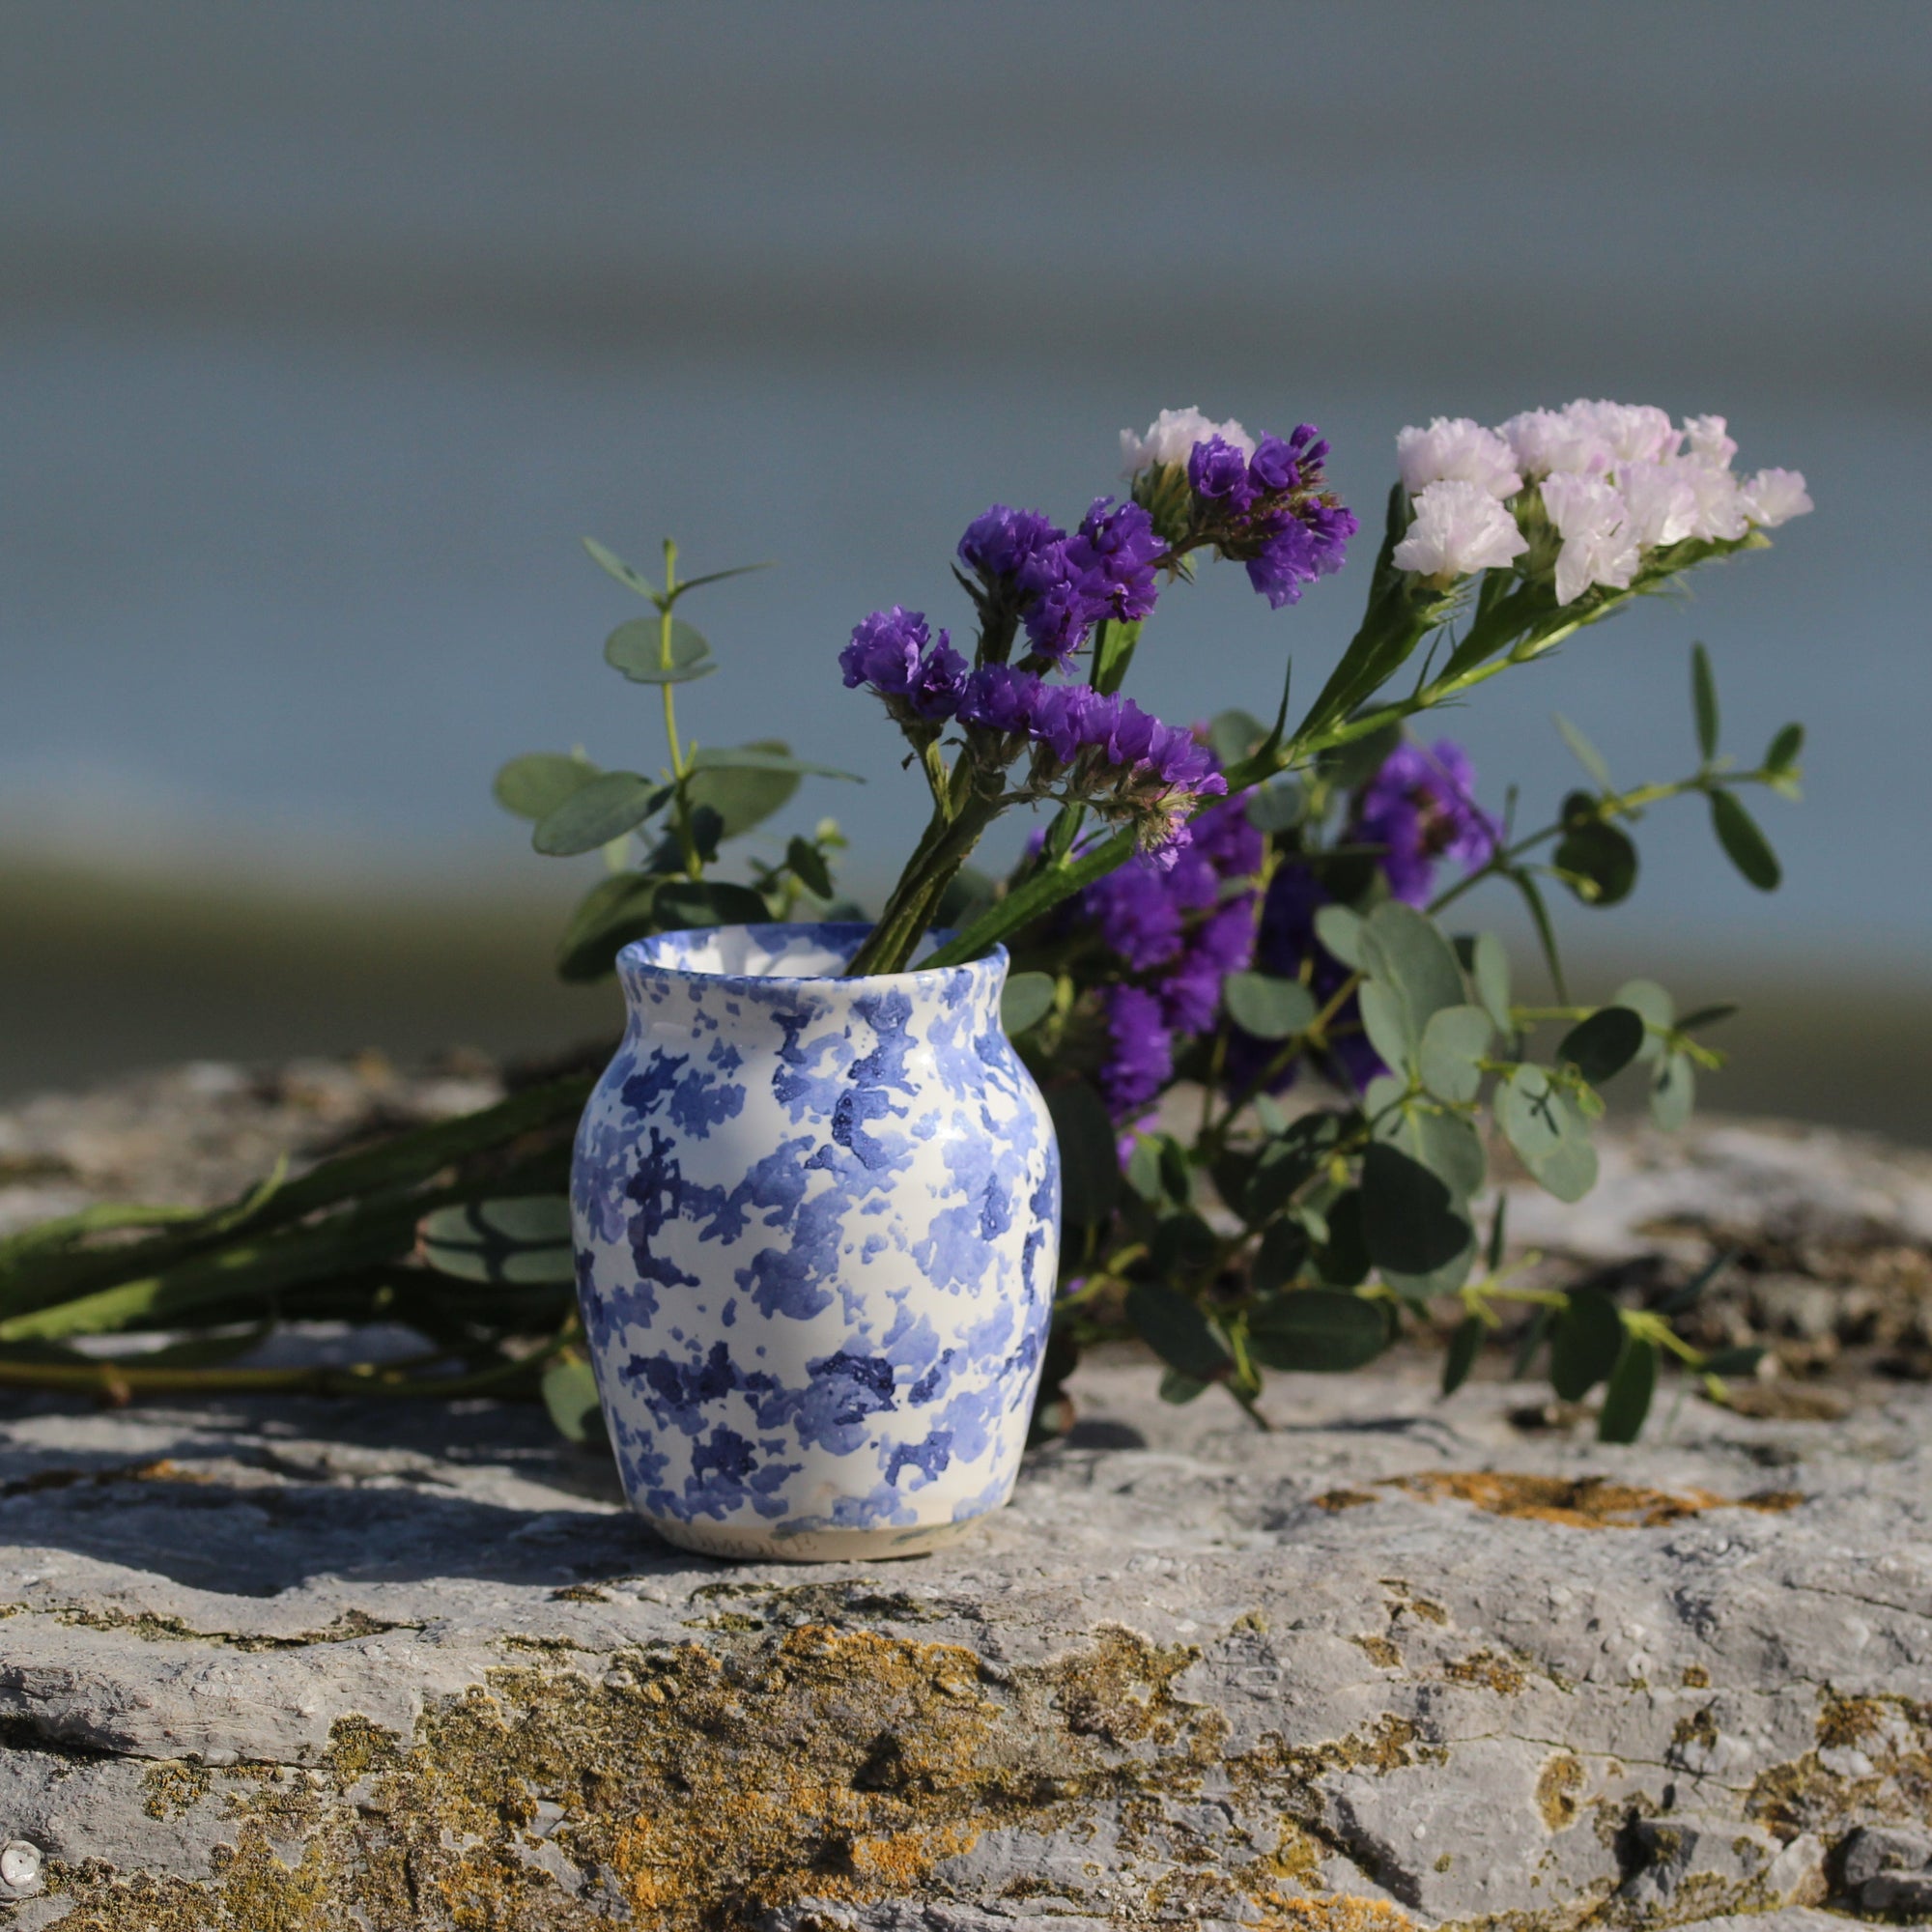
816 1223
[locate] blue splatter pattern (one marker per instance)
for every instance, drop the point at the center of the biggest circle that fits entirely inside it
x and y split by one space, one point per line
816 1226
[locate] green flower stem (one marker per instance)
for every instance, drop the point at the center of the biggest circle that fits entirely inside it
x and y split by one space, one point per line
680 768
945 847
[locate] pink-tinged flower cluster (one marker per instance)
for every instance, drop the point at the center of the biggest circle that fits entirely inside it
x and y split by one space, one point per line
1618 481
1059 585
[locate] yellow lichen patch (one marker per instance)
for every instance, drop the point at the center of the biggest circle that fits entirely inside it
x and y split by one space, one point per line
1334 1501
1696 1677
1583 1502
1336 1914
1557 1786
1881 1768
1487 1669
1381 1652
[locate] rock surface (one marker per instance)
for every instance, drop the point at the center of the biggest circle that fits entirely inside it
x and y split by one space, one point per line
310 1666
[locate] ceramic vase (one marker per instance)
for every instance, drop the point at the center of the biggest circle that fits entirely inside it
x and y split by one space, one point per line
816 1223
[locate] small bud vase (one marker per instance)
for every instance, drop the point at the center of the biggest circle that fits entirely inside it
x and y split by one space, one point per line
816 1223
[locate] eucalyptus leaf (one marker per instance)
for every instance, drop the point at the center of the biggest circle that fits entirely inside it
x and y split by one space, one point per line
684 904
1177 1331
1267 1006
759 757
1705 1017
614 912
636 649
1586 1338
1277 806
1403 949
1286 1163
1446 1144
1316 1329
1387 1022
631 578
1183 1245
1597 861
1340 930
1410 1217
570 1395
1655 1006
1744 845
1627 1399
535 785
1142 1171
1603 1045
807 866
1452 1046
1445 1278
519 1241
1734 1362
1090 1162
1585 753
1548 1134
1464 1346
1342 1261
1704 706
1025 1000
1180 1389
1233 734
1785 749
743 798
597 811
1490 968
1282 1256
1673 1091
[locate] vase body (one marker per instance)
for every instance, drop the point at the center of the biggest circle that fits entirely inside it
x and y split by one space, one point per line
816 1226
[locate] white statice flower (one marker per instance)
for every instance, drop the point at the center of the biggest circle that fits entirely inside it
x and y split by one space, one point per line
1663 500
1459 529
1552 442
1456 450
1720 510
1599 545
1708 441
1774 496
1172 435
1633 432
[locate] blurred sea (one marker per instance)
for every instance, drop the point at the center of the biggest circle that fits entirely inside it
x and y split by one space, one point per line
328 331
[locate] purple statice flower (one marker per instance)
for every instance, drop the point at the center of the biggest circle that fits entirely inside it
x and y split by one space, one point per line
1140 1056
1114 556
1310 544
1137 913
1055 611
1223 942
1000 699
892 651
1218 474
1421 807
1001 543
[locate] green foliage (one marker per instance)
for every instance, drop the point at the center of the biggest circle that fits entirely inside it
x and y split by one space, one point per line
1025 1000
659 651
1744 845
520 1241
598 810
1266 1007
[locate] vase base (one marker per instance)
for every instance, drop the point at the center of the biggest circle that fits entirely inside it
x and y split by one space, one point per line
755 1544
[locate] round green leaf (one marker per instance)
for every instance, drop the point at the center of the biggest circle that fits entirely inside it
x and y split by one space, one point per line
1233 734
1317 1329
1267 1006
1176 1330
1386 1020
1447 1145
1025 1000
534 785
1744 845
1603 1045
1586 1338
1655 1006
1598 862
570 1395
1090 1163
1276 807
684 904
614 912
742 798
1452 1046
760 757
1281 1257
1402 947
1673 1091
1490 968
1408 1216
606 808
1548 1134
521 1241
636 649
1340 930
1464 1346
1419 1290
1627 1400
1343 1261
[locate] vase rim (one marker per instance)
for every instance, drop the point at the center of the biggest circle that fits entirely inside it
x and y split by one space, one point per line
834 936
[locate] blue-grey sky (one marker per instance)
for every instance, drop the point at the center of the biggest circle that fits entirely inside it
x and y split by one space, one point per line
329 331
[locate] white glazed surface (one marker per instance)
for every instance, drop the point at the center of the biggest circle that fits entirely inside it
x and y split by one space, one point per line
816 1223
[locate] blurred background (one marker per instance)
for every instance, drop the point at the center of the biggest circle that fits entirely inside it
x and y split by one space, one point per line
329 331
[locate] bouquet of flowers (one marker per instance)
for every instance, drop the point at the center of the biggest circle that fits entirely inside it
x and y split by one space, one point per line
1273 1053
